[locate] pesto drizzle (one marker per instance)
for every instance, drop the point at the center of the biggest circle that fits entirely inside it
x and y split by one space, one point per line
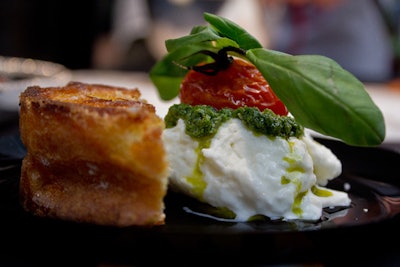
204 120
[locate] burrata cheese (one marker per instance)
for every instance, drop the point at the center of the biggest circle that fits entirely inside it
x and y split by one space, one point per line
254 174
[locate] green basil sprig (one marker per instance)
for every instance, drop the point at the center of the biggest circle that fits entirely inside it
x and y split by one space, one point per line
317 91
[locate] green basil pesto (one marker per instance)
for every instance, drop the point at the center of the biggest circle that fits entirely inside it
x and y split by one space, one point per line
203 120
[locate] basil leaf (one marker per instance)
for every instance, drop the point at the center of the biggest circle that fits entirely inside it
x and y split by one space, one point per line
233 31
198 35
167 75
322 96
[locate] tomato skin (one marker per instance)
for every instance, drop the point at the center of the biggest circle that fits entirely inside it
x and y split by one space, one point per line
241 84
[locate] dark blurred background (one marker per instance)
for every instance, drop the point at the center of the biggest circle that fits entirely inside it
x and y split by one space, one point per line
69 32
121 35
59 31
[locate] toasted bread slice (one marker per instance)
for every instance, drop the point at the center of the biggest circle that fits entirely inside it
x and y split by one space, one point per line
94 154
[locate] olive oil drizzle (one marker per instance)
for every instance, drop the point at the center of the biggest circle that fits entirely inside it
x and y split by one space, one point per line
196 179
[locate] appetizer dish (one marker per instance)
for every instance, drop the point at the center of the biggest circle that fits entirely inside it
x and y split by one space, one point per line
239 139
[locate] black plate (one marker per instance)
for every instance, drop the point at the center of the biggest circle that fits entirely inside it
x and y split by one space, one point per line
367 227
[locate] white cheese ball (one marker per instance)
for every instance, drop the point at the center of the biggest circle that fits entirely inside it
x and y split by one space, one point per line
253 174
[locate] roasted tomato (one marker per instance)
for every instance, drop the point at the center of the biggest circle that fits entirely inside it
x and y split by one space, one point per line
241 84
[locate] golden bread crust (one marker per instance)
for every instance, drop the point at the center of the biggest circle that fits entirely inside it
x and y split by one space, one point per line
94 154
